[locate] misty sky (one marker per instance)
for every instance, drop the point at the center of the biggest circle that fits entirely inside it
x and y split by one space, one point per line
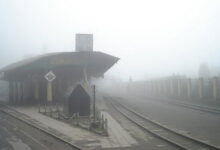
153 38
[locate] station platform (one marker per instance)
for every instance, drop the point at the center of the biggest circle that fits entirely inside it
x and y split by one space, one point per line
118 136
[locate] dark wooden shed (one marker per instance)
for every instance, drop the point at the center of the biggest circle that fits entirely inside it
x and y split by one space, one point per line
79 101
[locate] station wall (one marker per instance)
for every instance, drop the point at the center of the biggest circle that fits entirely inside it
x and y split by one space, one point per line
182 88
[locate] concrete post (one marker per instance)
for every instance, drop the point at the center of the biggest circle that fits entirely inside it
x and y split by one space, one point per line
162 87
106 126
94 103
215 88
102 122
179 87
159 86
171 87
77 119
146 88
189 88
201 87
165 88
154 88
151 87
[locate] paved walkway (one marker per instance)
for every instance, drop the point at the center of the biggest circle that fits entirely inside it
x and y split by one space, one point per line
118 137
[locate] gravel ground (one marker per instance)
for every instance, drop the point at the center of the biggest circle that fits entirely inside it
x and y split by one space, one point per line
144 139
15 135
117 138
198 124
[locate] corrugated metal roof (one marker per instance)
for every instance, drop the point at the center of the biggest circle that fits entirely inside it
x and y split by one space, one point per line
25 61
97 61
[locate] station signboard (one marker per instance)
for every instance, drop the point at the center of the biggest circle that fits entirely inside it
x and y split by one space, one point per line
50 76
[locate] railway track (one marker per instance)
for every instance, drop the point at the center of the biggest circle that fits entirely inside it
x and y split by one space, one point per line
197 107
25 119
173 137
188 105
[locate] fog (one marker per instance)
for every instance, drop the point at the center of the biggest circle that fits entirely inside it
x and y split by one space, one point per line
151 38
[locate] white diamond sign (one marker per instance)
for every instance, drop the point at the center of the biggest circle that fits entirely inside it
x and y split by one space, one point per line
50 76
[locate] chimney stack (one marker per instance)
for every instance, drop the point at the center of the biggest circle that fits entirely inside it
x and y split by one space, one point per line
84 42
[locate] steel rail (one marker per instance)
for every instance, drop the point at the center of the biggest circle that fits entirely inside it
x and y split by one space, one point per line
35 126
208 109
197 107
200 142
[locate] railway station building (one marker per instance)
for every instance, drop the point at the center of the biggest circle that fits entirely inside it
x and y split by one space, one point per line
51 77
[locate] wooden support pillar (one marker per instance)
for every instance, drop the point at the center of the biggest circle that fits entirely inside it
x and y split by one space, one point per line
189 88
21 92
201 87
215 88
60 88
49 92
11 91
15 92
24 91
36 91
18 92
85 80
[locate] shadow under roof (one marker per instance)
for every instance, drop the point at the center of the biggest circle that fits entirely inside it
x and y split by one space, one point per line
97 63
